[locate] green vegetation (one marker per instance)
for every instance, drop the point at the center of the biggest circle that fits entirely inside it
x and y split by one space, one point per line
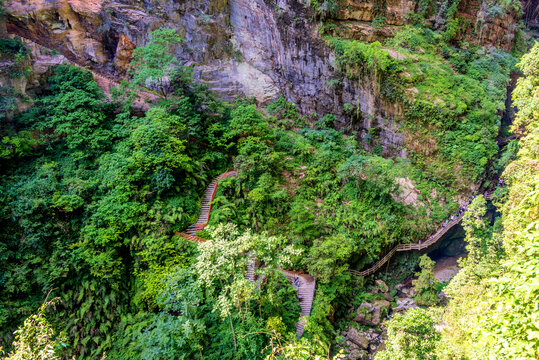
85 206
322 190
426 284
15 51
496 294
492 311
36 338
412 336
324 8
12 47
155 64
451 97
92 193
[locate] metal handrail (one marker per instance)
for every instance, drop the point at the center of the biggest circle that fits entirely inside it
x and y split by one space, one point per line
407 247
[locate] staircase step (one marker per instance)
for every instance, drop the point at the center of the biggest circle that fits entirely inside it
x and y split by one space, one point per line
205 205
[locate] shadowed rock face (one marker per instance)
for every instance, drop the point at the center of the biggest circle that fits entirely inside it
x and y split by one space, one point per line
252 48
531 14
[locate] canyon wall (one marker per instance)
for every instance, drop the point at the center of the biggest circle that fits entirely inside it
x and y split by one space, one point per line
254 48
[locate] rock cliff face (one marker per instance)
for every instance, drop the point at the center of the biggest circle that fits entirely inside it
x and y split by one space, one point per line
531 14
378 20
238 47
487 27
256 48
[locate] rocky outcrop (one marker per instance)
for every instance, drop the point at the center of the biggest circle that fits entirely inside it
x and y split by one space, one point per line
253 48
358 338
71 27
394 11
404 304
372 314
369 20
483 23
361 344
24 78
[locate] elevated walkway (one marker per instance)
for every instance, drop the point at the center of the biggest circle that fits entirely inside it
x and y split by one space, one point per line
205 207
419 246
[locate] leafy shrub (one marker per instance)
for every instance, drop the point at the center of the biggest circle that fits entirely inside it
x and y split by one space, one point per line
426 284
410 336
12 47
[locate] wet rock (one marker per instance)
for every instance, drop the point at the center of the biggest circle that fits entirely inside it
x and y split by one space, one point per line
372 313
363 312
361 344
381 286
405 289
356 354
124 52
358 338
442 298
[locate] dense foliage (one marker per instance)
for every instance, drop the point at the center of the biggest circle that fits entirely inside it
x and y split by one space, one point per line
451 97
496 294
91 196
412 336
36 338
338 202
426 284
492 312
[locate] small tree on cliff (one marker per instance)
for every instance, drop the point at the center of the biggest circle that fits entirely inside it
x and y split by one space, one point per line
154 64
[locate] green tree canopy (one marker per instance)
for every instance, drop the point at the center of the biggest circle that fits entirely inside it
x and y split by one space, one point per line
154 64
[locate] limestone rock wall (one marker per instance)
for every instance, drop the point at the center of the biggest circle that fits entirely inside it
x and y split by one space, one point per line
238 47
254 48
377 20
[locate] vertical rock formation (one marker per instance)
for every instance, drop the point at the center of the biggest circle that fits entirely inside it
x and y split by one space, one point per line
254 48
